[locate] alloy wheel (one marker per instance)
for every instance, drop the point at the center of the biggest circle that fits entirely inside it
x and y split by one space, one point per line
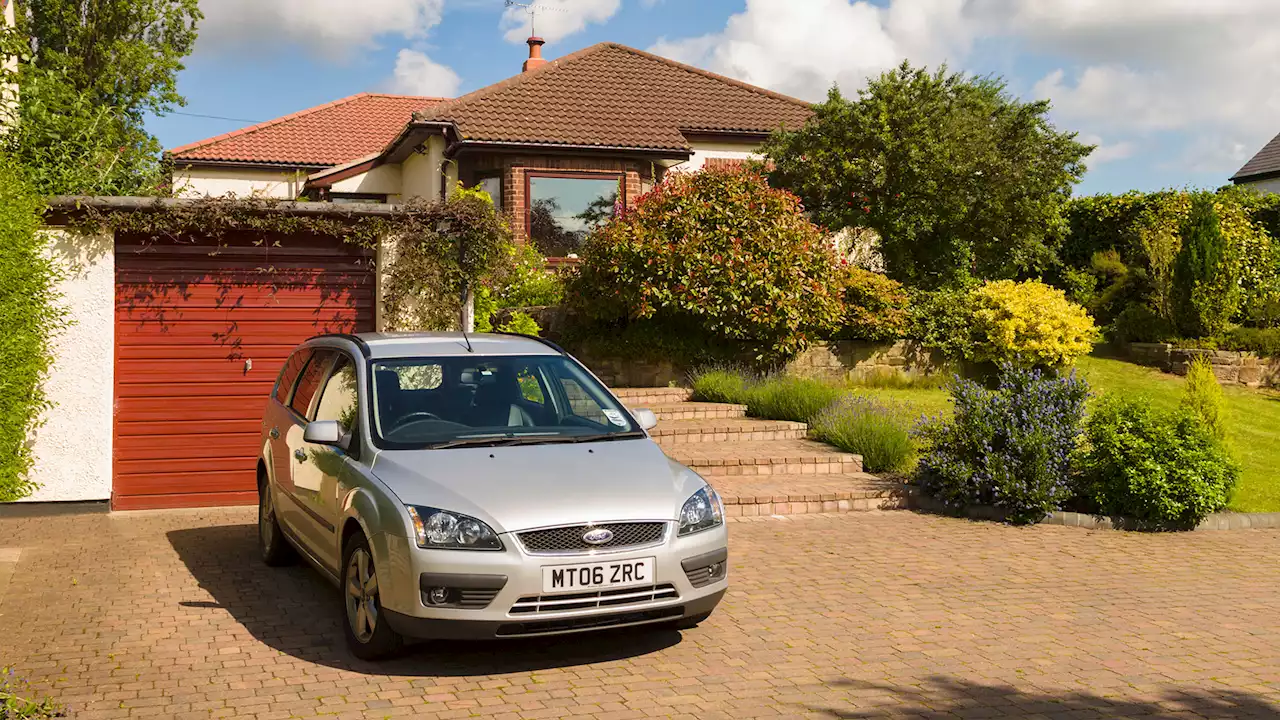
362 595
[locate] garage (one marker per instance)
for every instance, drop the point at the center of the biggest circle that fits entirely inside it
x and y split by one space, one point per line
202 327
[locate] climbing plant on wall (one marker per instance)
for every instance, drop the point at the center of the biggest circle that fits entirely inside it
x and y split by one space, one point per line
30 318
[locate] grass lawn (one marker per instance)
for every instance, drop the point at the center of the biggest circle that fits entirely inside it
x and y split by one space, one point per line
1255 421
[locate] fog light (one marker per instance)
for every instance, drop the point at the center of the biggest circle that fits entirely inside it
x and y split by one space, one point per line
713 570
438 595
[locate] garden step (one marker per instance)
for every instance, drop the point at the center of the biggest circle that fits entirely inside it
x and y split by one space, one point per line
771 457
753 495
694 410
642 397
724 430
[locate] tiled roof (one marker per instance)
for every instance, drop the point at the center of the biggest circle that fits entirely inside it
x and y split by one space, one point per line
1266 162
328 134
616 96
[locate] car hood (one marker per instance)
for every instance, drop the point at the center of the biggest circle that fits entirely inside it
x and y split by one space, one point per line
526 486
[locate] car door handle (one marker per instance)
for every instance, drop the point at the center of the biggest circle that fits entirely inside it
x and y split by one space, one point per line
275 433
300 455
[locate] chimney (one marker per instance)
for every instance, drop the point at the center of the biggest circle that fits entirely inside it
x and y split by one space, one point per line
535 54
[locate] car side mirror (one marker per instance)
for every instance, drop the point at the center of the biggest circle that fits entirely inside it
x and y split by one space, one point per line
646 418
324 432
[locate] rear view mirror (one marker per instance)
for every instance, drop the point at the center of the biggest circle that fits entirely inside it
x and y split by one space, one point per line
324 432
646 418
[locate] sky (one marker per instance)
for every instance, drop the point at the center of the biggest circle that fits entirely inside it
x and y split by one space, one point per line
1175 93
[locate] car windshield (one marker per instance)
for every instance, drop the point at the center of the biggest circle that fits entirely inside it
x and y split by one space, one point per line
469 401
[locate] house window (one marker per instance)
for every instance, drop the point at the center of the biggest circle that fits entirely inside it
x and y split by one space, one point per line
565 207
492 186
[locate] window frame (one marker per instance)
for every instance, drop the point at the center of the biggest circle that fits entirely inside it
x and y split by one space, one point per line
529 175
353 444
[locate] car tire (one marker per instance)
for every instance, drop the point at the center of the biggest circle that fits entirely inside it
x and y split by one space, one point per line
369 635
272 544
691 622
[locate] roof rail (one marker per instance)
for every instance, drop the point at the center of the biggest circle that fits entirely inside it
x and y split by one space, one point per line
359 341
544 341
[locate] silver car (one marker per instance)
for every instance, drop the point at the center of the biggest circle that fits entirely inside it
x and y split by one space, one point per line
479 486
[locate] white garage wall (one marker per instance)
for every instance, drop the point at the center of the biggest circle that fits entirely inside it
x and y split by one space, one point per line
73 447
241 182
704 150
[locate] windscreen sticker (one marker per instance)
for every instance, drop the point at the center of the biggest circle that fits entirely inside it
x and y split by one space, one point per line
616 418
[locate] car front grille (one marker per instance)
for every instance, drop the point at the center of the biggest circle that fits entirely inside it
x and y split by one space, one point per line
568 539
598 599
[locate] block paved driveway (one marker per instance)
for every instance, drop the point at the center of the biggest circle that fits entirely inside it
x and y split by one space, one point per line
862 615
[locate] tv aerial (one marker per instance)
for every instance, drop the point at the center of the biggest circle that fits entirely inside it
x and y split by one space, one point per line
532 8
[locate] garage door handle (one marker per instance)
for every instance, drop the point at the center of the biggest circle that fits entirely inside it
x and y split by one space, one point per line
300 455
275 433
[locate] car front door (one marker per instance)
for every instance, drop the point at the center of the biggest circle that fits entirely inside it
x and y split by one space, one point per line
318 481
276 422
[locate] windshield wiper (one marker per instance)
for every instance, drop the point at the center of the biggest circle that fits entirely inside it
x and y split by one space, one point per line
507 439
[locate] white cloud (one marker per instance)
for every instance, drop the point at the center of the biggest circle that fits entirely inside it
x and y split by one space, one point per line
417 74
1104 152
555 19
1199 71
321 26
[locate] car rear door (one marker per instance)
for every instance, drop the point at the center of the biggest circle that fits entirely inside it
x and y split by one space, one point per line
276 420
293 457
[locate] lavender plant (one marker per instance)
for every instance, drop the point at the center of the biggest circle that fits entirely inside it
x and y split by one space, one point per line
1009 447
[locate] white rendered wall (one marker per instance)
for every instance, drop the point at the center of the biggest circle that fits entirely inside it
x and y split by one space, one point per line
703 151
73 447
216 182
1272 185
382 180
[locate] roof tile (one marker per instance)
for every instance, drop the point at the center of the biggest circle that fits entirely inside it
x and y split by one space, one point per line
328 134
613 95
1266 162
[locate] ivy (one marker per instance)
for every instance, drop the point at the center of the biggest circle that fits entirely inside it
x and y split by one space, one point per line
439 248
31 318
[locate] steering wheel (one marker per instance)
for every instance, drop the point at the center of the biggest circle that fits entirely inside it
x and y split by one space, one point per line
415 417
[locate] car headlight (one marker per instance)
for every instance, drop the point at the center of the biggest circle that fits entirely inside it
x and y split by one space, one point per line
451 531
701 512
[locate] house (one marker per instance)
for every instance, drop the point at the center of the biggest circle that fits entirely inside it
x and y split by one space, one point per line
556 146
173 343
1262 172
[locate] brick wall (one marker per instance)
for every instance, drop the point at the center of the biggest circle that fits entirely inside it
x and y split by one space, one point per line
513 169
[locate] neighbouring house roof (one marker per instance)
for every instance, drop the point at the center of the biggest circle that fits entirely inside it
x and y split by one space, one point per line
610 95
1265 164
325 135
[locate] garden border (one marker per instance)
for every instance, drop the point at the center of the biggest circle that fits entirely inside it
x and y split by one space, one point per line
918 501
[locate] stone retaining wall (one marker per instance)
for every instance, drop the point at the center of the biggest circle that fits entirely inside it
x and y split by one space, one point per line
1231 367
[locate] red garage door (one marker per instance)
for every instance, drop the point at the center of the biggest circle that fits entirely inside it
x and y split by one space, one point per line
202 329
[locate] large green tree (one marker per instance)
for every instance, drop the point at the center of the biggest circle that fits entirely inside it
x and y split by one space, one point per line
958 177
88 72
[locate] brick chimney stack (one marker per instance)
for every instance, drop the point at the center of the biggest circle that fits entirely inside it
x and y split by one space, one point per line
535 54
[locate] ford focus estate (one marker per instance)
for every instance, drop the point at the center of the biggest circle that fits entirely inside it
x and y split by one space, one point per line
479 486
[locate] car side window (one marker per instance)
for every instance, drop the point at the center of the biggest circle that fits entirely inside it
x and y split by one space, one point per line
309 382
338 397
289 373
530 386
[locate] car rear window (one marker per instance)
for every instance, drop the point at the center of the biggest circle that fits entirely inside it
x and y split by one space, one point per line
309 382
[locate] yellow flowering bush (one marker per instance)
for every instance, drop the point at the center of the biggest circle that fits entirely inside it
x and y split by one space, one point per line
1028 324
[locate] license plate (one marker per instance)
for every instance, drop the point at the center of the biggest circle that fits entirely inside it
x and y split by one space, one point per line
598 575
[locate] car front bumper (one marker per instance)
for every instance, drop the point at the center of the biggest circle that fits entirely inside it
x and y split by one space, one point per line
682 588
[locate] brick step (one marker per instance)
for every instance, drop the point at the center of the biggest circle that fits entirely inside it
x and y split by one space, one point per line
770 457
695 411
643 397
754 495
736 430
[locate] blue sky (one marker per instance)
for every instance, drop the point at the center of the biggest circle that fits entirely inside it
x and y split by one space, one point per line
1175 92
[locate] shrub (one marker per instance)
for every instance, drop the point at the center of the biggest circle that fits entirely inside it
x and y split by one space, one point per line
879 433
31 318
717 251
1203 398
875 307
1009 447
1029 324
1263 342
525 281
720 385
782 397
1206 291
942 320
1160 468
1139 323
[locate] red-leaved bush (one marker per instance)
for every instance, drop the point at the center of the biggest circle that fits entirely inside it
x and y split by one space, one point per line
719 251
